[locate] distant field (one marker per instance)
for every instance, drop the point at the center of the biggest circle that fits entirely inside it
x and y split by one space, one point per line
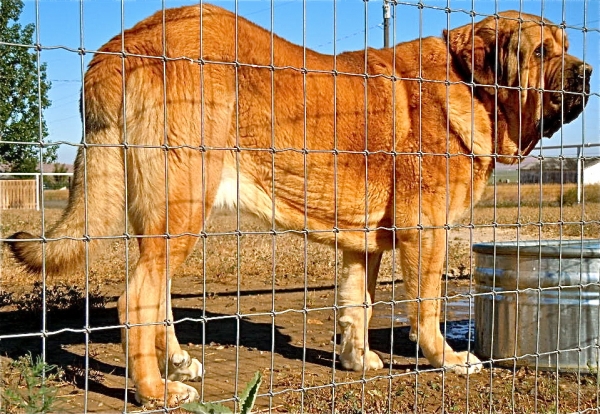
56 195
536 209
512 195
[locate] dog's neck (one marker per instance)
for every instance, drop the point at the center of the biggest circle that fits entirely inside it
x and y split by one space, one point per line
507 127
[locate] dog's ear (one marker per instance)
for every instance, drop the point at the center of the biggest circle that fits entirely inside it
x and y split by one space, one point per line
473 49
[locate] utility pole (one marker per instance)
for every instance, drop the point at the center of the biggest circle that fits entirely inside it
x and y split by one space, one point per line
386 23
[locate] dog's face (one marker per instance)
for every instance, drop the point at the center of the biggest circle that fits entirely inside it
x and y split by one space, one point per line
539 85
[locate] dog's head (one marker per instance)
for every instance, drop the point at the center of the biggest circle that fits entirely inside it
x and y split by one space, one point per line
521 62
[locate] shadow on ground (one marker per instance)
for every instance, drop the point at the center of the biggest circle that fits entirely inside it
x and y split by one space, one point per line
65 329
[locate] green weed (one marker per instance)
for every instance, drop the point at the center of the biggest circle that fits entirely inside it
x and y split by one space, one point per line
247 400
33 390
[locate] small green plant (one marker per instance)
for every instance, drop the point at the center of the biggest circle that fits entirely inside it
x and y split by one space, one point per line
247 399
32 391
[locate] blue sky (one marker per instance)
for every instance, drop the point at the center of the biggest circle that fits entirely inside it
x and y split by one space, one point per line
90 23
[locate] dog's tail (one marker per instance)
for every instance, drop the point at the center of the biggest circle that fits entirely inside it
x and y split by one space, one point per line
96 201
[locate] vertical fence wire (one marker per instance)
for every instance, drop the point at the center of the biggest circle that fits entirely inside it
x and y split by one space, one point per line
366 303
336 195
273 227
305 225
44 330
125 330
419 225
203 156
166 149
394 149
238 232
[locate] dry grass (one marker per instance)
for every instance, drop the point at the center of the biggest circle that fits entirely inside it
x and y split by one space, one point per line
56 195
527 211
532 195
520 391
535 211
508 219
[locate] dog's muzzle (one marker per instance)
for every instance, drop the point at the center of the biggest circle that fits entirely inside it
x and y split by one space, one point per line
574 87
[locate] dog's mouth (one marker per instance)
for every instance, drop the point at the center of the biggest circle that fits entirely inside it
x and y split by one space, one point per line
561 108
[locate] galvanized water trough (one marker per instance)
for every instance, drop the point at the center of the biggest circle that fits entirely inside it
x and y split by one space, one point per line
538 304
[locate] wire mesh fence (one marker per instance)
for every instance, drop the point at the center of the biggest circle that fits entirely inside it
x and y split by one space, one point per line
262 187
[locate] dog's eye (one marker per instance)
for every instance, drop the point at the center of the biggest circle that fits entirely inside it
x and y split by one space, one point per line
540 51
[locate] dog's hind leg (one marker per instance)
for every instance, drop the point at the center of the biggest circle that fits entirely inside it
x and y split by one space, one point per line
170 228
174 363
139 310
191 195
171 191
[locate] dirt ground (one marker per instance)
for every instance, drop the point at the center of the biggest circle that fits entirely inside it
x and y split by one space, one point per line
262 302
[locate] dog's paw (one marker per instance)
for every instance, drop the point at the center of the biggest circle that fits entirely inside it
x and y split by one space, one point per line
184 368
356 360
412 335
177 393
465 364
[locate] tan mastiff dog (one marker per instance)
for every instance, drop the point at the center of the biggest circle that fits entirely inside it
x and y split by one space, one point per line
372 152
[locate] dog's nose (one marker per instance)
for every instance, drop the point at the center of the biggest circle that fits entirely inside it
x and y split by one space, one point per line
584 71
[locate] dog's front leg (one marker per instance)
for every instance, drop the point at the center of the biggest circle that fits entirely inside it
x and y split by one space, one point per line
356 295
422 259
